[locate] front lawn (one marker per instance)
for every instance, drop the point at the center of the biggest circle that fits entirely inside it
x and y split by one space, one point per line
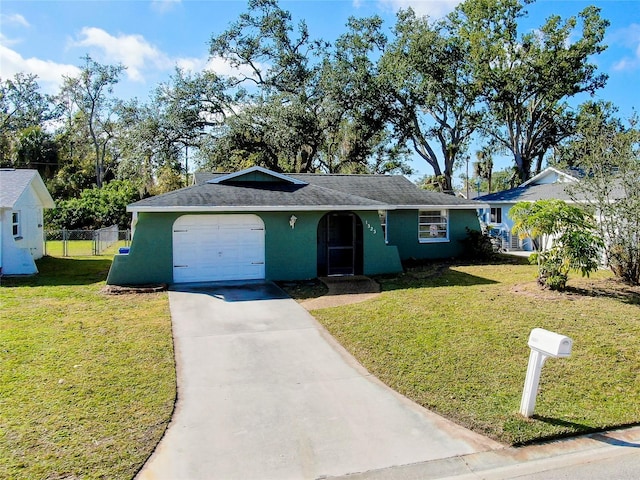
87 384
454 339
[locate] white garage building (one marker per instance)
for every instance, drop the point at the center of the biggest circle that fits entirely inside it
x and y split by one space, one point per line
23 198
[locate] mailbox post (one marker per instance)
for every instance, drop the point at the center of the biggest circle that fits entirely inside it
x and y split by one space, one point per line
543 344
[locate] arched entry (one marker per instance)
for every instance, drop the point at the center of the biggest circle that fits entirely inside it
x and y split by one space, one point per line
340 244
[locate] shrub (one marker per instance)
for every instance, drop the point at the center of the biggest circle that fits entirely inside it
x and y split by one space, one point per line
95 208
569 241
478 245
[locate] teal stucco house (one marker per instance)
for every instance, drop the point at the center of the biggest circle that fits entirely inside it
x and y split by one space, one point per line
259 224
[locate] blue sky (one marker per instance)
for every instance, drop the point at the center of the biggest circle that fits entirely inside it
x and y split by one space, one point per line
48 37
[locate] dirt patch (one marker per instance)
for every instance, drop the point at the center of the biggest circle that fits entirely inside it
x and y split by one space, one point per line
328 301
329 292
304 290
583 289
350 285
128 289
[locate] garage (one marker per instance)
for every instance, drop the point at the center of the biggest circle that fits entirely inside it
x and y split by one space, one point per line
209 248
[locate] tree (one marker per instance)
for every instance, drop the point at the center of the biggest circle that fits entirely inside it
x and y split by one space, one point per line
276 82
564 236
358 105
483 167
526 79
189 107
76 170
37 149
95 207
435 91
297 107
88 95
22 107
21 103
607 152
432 183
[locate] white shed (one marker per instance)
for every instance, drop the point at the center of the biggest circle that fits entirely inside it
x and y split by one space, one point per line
23 198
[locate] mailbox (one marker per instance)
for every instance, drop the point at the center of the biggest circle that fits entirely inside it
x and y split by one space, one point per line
550 343
543 344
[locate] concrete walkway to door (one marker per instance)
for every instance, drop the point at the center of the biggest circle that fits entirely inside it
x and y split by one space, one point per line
265 393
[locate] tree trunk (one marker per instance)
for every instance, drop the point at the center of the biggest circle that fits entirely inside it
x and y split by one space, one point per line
523 164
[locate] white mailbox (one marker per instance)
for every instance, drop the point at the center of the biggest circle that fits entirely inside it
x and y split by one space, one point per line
544 344
550 343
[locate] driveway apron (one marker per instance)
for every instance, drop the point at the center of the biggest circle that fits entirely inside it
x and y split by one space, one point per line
265 393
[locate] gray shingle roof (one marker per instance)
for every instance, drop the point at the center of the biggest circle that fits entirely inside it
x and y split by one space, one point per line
533 193
321 192
391 189
530 193
13 183
255 194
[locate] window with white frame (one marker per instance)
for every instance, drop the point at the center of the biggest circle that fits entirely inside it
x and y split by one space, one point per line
433 226
496 215
15 224
383 223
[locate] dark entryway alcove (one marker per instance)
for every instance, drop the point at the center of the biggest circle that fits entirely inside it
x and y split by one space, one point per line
340 244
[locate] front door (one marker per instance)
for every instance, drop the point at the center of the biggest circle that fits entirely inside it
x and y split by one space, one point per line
340 244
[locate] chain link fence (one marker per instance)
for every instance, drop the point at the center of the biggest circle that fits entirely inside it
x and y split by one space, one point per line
78 243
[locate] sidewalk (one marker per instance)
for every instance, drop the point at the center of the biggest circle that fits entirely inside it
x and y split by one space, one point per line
525 462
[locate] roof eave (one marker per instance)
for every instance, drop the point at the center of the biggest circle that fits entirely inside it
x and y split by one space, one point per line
544 172
470 206
298 208
260 208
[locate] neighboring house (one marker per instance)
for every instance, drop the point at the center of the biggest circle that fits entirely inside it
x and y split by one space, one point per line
548 184
258 224
23 198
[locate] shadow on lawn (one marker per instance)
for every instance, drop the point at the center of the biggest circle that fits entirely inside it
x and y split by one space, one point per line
431 275
56 271
594 433
576 427
618 292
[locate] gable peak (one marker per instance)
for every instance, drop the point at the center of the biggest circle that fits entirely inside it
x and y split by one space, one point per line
256 174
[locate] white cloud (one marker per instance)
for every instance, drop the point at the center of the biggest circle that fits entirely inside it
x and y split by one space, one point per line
8 41
191 64
222 67
7 20
14 19
433 8
215 64
164 6
49 73
628 37
133 51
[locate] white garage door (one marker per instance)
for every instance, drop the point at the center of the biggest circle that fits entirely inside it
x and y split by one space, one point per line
218 247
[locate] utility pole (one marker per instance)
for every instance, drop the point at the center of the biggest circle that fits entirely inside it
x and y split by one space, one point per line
467 179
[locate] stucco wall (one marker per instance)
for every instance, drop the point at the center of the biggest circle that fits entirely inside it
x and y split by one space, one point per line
379 257
150 258
403 232
18 254
290 253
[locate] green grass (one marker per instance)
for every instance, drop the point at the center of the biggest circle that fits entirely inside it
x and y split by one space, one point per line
76 248
87 384
454 339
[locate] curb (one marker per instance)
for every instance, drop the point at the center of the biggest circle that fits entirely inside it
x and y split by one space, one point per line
512 462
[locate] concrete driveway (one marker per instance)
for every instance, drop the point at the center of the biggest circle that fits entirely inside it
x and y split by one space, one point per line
265 393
